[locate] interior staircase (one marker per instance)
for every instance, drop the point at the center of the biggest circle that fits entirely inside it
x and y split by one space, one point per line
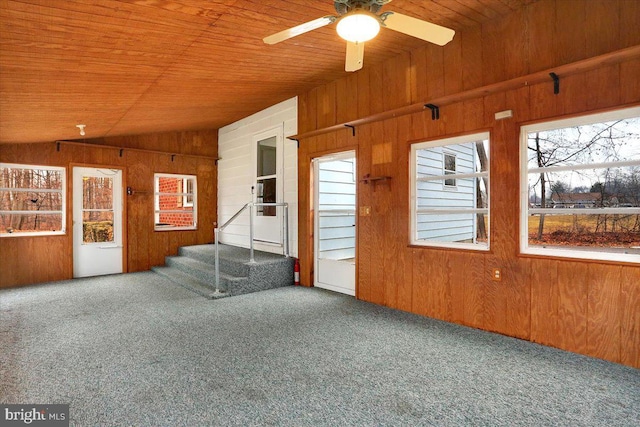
194 269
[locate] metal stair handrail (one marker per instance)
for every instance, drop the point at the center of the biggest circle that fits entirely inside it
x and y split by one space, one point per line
249 206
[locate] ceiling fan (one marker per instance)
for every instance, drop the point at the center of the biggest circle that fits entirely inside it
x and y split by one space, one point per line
358 22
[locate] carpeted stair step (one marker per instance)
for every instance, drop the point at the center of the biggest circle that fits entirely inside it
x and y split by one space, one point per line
204 272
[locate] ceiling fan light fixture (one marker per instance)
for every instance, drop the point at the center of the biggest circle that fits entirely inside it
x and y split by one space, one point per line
358 27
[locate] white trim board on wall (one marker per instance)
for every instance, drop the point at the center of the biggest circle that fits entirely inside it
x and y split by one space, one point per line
236 171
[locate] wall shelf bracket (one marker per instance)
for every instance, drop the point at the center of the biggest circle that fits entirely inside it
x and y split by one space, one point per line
374 179
435 111
353 129
556 83
294 139
131 191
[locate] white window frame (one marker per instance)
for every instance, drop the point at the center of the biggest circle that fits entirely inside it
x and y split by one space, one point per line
413 180
156 201
62 192
526 210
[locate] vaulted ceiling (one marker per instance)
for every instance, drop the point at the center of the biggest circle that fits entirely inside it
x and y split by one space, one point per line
131 67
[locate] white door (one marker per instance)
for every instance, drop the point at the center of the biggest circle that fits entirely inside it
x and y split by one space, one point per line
335 222
268 185
97 221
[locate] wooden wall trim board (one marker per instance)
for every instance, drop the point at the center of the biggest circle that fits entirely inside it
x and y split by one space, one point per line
117 147
561 71
29 260
588 307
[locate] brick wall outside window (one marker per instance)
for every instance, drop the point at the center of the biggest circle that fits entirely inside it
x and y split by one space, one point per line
173 202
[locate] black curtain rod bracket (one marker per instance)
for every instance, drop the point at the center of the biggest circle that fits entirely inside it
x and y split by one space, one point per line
435 111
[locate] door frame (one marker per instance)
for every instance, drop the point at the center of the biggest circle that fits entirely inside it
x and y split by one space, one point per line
125 219
313 201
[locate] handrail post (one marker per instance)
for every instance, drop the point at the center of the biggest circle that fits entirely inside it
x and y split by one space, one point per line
286 230
217 264
251 258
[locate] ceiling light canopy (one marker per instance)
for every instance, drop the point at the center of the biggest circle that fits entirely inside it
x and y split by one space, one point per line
358 27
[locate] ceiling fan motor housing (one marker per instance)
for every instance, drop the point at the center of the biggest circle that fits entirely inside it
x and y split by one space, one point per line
346 6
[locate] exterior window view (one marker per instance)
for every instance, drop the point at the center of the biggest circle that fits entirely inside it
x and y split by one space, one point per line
175 202
97 209
450 192
581 193
32 200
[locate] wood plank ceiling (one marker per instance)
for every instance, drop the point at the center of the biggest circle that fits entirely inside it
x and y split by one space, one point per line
131 67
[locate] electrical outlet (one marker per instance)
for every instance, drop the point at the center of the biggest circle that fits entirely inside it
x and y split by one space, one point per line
496 274
365 210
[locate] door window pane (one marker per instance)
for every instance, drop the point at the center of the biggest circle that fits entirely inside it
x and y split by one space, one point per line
267 157
266 194
97 192
97 227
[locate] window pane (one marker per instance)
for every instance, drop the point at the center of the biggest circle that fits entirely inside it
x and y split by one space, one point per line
615 232
97 227
30 201
175 219
460 228
12 223
170 202
13 177
188 186
610 187
267 157
449 163
97 192
616 140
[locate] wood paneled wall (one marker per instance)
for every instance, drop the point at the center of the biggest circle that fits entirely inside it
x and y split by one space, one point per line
591 308
29 260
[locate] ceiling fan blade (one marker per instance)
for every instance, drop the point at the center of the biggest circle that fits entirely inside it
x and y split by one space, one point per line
300 29
418 28
355 56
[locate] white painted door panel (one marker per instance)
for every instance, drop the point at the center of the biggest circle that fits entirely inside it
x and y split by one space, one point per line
97 221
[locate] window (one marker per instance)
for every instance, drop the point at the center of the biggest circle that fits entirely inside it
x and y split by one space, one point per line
32 200
175 202
449 166
439 216
580 187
